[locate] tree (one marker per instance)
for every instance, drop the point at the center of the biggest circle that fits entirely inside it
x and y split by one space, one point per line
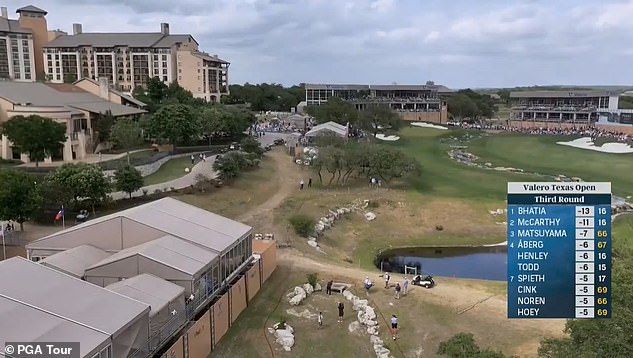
126 134
378 117
174 124
85 183
335 110
461 106
128 179
103 126
251 145
265 97
224 121
462 345
37 136
18 198
50 196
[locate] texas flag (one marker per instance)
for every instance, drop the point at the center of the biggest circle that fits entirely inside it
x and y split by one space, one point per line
60 214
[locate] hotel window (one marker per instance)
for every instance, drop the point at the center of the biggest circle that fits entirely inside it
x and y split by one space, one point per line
155 64
50 63
180 70
199 89
164 64
179 78
27 76
164 71
164 57
59 77
164 78
156 71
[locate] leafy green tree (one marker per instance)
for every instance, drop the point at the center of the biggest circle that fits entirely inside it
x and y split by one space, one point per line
103 126
37 136
251 145
462 345
230 165
126 134
84 183
378 117
265 97
460 106
128 179
175 124
335 110
224 121
18 198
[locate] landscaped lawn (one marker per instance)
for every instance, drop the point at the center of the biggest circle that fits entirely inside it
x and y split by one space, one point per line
172 169
116 163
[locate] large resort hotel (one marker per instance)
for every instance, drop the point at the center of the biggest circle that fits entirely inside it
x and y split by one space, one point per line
412 102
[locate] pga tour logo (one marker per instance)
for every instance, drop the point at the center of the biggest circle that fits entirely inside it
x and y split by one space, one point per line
39 349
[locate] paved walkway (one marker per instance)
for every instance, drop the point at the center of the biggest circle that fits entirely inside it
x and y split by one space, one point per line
90 158
187 180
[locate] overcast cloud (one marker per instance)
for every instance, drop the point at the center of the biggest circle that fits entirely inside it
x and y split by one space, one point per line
459 43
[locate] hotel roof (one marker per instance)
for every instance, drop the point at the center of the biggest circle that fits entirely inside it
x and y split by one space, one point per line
123 39
8 25
50 95
356 87
31 8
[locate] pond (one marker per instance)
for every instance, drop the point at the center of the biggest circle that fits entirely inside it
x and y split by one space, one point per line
482 262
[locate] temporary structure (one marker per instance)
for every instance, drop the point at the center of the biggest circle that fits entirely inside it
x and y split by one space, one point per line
166 300
38 303
75 261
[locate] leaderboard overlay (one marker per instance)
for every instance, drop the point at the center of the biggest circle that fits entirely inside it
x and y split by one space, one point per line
559 250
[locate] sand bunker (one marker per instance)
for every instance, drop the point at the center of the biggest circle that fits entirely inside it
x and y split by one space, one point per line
390 138
427 125
587 143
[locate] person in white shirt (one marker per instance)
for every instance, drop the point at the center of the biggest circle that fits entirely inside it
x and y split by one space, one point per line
368 284
394 326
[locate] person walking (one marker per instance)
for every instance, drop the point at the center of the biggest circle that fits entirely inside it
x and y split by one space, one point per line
193 159
387 277
405 286
368 284
341 311
398 289
301 185
310 183
394 326
328 287
320 319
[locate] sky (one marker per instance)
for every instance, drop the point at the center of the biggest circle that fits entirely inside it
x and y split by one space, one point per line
457 43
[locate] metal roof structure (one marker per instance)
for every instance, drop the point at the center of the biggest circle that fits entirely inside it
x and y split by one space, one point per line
44 95
167 250
149 289
9 25
38 303
327 127
166 216
356 87
75 261
31 8
123 39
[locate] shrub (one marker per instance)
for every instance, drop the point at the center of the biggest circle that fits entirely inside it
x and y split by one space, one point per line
373 204
302 224
313 279
439 227
282 322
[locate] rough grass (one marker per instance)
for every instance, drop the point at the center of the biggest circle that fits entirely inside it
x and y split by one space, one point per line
248 191
424 320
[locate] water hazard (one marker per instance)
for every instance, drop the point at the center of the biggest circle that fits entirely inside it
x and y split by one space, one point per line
487 263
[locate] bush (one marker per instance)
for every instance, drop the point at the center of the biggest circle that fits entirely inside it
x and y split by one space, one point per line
302 224
313 279
373 204
211 149
439 227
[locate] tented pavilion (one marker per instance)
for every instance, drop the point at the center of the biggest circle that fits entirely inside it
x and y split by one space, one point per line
166 301
75 261
328 128
41 304
229 239
170 258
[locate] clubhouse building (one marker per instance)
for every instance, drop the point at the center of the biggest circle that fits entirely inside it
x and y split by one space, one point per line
569 109
411 102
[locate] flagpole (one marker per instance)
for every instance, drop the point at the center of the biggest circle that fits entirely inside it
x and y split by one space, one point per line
4 246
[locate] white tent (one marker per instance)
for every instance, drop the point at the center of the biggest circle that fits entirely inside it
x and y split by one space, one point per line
328 128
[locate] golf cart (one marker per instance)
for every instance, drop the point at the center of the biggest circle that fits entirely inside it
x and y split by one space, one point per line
82 216
426 281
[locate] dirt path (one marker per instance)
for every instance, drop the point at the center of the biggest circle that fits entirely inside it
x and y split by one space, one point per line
288 177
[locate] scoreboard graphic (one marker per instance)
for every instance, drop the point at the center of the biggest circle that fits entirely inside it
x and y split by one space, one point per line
559 250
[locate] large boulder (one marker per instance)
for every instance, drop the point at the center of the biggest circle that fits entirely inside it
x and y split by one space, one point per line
308 288
317 287
349 296
285 338
370 313
299 290
296 300
360 305
312 243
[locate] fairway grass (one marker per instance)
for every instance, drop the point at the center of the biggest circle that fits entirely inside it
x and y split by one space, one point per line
170 170
541 154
